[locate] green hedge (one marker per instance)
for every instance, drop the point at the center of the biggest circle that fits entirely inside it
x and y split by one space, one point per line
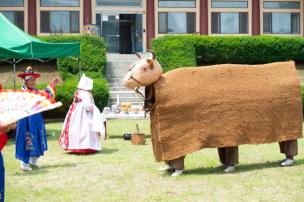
92 55
192 50
65 94
173 52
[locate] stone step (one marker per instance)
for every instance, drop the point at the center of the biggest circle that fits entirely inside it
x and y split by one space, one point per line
117 70
118 89
114 69
114 94
116 84
117 67
142 90
124 89
121 63
126 99
116 74
114 79
133 103
121 57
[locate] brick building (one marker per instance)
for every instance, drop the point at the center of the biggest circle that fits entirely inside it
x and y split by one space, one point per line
129 25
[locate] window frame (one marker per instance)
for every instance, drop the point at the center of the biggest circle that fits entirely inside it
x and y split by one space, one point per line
25 13
16 18
130 7
158 5
39 9
266 1
230 10
281 10
158 10
40 4
70 27
24 2
239 23
167 22
231 7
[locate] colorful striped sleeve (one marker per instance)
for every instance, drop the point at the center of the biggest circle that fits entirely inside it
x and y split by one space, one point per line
51 90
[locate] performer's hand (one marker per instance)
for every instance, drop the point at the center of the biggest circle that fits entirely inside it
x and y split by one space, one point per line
55 81
7 125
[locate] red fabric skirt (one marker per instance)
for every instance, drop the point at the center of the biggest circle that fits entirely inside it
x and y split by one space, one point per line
82 151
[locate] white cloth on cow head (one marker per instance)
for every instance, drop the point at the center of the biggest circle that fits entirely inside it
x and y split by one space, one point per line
85 83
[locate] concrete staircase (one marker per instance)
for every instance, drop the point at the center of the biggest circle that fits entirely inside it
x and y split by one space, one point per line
117 68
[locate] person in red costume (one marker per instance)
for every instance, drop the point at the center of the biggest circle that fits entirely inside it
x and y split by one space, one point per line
4 128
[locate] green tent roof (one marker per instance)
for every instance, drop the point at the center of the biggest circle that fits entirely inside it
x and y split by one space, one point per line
14 43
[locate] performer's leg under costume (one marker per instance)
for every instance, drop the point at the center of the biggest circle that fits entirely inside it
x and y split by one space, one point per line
229 155
177 164
289 148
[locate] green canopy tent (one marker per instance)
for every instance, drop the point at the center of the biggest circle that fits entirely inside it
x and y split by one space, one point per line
16 45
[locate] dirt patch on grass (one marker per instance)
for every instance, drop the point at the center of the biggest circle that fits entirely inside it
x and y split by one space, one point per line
48 71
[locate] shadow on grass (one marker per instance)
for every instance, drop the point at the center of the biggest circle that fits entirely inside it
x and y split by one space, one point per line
33 172
65 165
54 135
44 169
240 168
108 151
121 136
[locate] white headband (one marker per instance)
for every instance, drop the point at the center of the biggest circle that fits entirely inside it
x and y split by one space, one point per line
28 77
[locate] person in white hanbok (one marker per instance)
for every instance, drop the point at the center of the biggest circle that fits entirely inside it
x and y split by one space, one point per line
82 128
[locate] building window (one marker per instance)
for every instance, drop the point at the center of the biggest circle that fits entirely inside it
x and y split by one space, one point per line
176 23
59 3
281 23
16 17
229 23
281 17
229 17
9 3
59 22
121 3
176 4
229 4
281 4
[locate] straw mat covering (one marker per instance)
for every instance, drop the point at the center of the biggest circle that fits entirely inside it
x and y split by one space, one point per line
225 105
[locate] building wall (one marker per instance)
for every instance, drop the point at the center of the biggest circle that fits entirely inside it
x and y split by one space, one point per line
203 11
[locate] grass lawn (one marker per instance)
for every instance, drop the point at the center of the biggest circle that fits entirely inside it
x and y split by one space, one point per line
125 172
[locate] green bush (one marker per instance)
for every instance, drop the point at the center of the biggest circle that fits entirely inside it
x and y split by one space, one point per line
92 55
249 49
192 50
173 52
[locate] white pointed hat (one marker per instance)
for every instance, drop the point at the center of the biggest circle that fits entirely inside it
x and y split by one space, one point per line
85 83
